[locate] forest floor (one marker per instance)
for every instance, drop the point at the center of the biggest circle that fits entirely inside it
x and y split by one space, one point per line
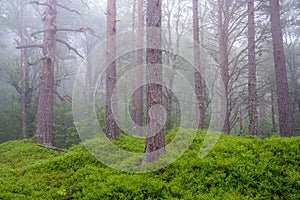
238 167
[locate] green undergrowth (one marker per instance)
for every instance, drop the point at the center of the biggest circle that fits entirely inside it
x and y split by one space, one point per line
236 168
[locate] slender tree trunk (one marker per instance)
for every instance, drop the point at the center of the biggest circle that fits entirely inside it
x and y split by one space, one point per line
45 105
197 75
23 73
112 131
252 110
134 70
284 106
155 141
223 26
241 120
273 112
137 79
140 60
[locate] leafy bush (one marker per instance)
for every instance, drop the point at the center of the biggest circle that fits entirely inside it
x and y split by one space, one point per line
237 168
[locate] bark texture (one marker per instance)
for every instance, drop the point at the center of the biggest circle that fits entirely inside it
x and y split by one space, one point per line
197 64
112 131
155 141
44 133
223 37
252 110
284 106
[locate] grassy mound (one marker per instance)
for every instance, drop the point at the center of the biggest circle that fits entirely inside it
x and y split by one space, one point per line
237 168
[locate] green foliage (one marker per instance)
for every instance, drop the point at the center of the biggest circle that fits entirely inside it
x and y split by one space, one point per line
237 168
65 134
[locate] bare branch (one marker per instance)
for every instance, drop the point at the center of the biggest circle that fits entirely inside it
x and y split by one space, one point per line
66 8
38 61
53 148
30 46
38 32
40 4
70 47
80 30
63 77
63 98
85 4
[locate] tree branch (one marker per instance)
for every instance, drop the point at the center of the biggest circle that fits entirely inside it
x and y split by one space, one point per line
63 98
40 4
30 46
80 30
66 8
53 148
70 47
38 61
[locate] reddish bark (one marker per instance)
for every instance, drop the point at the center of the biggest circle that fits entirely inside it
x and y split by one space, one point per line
252 110
284 106
44 133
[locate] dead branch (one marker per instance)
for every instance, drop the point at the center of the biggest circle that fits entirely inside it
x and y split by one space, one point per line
53 148
35 33
38 61
68 9
70 47
30 46
81 30
63 98
64 77
40 4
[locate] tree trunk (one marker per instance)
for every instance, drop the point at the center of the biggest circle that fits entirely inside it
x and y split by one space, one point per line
112 131
223 26
274 129
140 55
23 73
137 79
155 141
284 106
45 105
252 110
134 70
197 73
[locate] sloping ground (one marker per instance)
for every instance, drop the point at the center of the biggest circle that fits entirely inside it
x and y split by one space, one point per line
237 168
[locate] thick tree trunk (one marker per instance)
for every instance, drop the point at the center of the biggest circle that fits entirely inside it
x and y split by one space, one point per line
284 106
45 105
112 131
223 26
155 141
252 110
197 75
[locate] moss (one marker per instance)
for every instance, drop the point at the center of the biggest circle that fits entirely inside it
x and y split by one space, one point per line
237 168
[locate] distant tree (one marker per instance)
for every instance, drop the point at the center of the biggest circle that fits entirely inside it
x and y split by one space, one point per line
22 72
140 59
284 106
252 99
155 141
137 65
112 131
